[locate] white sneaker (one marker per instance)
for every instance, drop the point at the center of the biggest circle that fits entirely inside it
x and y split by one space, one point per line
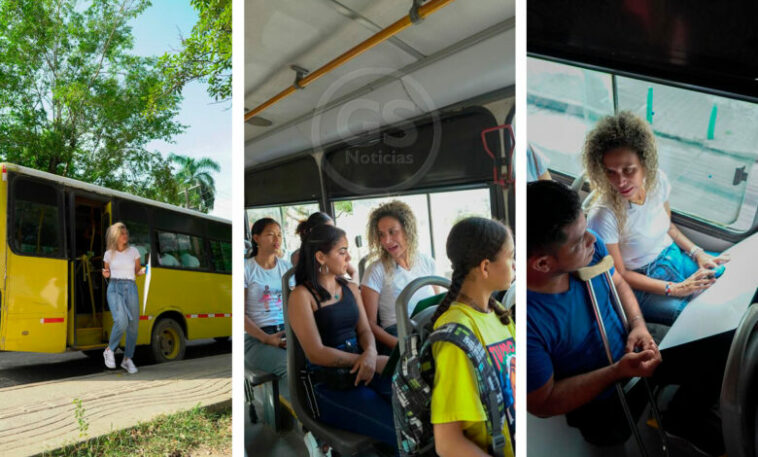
110 359
128 365
314 450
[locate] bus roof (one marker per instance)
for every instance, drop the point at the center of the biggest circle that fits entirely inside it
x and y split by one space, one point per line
73 183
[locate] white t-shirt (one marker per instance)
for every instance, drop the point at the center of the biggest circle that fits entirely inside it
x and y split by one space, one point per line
263 303
645 234
122 263
390 287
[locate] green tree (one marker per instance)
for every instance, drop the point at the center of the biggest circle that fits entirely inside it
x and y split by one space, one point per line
196 184
206 54
76 103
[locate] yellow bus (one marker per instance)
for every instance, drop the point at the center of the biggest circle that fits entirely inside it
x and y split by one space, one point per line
52 292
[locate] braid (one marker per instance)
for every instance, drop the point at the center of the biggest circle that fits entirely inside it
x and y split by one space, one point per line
452 293
500 311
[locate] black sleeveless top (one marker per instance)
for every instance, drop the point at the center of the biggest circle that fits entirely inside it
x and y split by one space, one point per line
336 322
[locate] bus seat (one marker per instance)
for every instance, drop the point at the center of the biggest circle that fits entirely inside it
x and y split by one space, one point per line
189 260
142 252
344 442
420 312
255 378
167 260
362 267
739 396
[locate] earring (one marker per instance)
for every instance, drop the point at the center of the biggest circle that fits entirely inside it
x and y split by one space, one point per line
323 269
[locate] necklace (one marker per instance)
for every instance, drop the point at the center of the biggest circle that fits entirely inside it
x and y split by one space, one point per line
471 302
335 294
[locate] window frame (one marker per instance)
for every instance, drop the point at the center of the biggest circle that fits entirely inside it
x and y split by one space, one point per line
690 221
204 239
11 216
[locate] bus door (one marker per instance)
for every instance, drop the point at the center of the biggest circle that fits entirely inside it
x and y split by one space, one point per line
35 288
89 218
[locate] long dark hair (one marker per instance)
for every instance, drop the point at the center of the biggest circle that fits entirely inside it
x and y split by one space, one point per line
322 238
314 220
470 241
258 228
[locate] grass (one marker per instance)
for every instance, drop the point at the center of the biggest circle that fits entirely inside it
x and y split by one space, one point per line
175 435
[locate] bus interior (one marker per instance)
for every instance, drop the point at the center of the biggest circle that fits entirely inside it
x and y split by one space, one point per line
689 69
423 117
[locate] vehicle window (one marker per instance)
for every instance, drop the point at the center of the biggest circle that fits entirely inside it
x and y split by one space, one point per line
139 237
36 226
353 215
222 256
288 217
706 145
180 250
563 104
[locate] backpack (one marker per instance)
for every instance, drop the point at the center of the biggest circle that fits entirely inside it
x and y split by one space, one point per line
412 389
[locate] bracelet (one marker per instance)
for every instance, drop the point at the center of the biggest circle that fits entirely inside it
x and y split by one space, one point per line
695 250
638 316
668 289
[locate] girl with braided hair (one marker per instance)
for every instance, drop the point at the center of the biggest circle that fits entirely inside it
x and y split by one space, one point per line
481 253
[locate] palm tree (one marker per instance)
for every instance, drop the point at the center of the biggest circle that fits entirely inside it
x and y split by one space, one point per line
195 174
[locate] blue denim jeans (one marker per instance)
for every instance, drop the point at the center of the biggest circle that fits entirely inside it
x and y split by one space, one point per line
673 265
261 356
366 410
124 305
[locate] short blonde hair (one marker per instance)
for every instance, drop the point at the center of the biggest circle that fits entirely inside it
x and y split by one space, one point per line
403 214
112 234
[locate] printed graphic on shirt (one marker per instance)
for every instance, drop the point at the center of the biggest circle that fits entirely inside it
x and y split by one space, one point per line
503 356
271 299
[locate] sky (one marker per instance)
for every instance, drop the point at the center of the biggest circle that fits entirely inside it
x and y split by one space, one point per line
209 124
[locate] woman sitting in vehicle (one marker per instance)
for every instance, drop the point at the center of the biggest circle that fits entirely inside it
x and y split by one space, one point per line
393 239
327 316
631 213
481 251
305 227
264 317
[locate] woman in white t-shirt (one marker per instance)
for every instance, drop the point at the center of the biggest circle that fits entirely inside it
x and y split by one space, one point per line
631 213
393 239
265 343
122 266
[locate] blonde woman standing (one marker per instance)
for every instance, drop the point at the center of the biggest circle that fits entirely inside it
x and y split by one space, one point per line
122 266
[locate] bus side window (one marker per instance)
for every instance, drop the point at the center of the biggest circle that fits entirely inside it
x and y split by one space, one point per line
222 256
36 223
139 237
180 250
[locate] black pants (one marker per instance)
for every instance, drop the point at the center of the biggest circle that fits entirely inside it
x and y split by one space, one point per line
697 368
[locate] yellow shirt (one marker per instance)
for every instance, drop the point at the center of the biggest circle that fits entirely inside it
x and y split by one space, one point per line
455 396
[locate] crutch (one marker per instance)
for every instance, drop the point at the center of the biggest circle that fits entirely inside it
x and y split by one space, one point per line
586 274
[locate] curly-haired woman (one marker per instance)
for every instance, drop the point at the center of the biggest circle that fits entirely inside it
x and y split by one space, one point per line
393 239
631 213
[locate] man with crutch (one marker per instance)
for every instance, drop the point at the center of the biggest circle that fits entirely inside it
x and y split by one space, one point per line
568 353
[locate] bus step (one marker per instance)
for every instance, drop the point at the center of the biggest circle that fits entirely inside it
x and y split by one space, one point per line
89 336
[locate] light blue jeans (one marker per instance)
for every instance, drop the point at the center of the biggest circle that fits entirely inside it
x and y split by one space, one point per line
124 305
673 265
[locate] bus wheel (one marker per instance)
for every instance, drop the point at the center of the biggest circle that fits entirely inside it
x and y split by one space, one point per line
167 341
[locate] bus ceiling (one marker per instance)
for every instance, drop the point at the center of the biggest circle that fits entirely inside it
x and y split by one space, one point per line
460 52
698 44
